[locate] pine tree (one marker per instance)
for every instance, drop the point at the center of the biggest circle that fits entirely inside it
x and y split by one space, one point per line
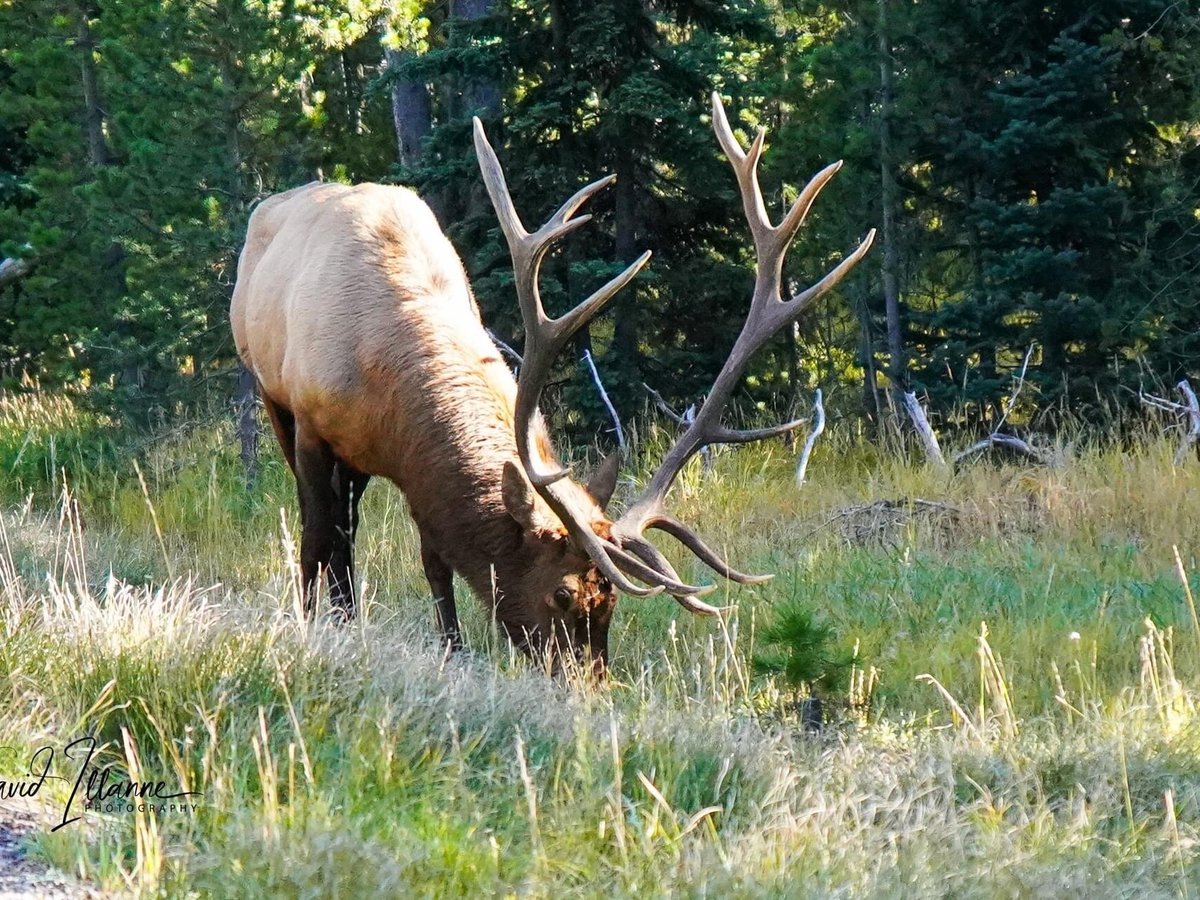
616 87
146 131
1041 156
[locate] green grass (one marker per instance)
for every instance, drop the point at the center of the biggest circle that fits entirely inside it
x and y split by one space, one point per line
1020 721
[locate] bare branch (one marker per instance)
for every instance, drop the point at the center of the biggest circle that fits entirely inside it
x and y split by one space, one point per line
686 420
663 406
916 412
817 429
1189 409
587 358
1008 441
1016 391
504 348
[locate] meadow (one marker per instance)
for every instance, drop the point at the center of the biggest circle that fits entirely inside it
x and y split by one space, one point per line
1016 716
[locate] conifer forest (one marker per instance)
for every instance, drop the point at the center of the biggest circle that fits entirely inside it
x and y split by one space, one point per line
1033 169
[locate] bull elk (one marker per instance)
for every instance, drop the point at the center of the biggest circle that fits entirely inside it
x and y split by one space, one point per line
354 313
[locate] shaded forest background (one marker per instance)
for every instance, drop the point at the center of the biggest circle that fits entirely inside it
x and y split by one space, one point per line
1035 169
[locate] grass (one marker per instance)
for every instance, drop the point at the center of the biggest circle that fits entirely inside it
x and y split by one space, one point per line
1021 719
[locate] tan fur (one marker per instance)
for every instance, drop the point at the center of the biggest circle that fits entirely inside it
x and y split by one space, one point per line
354 312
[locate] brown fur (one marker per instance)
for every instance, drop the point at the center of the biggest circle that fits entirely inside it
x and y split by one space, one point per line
354 313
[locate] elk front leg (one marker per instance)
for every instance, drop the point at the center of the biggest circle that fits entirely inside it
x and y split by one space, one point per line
441 581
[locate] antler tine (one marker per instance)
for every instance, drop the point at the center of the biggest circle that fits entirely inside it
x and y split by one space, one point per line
841 271
544 337
796 215
745 166
497 187
768 314
707 555
653 557
750 435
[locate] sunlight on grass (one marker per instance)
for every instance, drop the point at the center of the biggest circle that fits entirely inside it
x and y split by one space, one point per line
1020 718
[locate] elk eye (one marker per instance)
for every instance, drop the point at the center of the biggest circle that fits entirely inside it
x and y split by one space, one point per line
605 585
563 597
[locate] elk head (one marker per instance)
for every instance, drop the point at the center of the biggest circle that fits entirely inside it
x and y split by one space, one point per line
598 555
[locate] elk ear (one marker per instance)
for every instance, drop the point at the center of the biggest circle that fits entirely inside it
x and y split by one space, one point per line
604 480
517 493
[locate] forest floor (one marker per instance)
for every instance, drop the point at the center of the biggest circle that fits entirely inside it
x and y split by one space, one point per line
1008 656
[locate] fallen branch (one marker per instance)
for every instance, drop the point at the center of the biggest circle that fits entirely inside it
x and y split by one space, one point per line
684 421
817 429
916 412
1007 441
1190 409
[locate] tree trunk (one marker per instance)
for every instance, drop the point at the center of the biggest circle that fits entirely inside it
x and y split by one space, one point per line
871 404
625 334
460 96
989 413
897 367
230 125
481 95
560 30
246 391
412 113
12 270
245 402
93 108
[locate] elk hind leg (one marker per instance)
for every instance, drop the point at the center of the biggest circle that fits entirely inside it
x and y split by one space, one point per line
284 425
348 485
441 581
329 492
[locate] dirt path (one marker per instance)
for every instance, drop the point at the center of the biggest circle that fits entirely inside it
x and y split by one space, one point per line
23 878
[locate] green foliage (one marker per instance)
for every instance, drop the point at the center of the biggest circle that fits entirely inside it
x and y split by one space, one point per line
1047 160
200 109
589 89
1046 164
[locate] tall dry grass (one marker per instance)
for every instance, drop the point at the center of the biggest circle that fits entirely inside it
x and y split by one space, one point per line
1022 721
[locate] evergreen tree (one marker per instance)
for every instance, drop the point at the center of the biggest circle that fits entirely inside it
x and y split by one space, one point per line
616 87
137 216
50 184
1040 165
1042 158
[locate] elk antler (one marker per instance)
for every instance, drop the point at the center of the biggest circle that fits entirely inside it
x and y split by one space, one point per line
544 338
628 550
768 314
